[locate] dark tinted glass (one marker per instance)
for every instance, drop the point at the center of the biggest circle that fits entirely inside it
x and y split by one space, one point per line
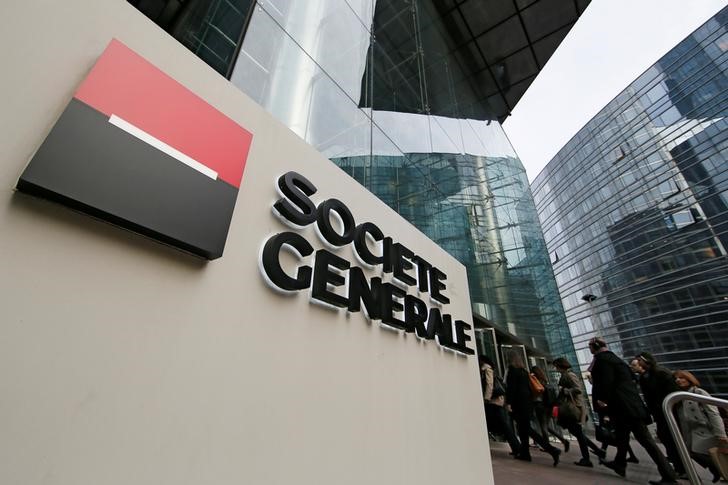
212 29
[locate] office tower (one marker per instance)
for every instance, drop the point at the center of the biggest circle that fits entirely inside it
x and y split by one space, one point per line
634 212
407 97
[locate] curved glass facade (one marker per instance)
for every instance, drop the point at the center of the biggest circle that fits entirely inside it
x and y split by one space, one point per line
386 94
635 214
405 96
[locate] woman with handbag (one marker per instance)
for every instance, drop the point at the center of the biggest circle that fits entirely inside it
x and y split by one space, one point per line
542 405
700 424
520 404
572 410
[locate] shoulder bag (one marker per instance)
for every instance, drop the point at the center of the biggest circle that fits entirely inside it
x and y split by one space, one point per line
535 385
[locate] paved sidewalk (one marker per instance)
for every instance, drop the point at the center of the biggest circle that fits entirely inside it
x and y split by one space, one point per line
540 471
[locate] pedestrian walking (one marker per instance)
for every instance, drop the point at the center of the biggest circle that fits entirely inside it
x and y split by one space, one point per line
604 431
542 408
700 424
571 396
615 394
494 401
519 403
656 383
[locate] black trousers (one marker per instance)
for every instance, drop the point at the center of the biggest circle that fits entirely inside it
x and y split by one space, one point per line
499 420
606 444
523 421
544 421
663 433
622 429
578 432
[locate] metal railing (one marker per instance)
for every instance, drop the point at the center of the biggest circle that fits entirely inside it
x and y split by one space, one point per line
667 407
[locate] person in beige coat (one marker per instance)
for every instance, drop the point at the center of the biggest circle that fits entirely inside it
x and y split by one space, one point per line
571 391
700 424
494 399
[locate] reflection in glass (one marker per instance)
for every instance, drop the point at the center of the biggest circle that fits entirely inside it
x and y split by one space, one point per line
210 28
386 93
286 81
653 219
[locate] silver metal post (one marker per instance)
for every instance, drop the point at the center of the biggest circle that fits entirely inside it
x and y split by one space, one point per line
667 406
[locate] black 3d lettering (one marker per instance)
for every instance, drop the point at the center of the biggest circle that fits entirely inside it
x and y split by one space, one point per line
379 300
323 276
415 314
461 337
390 304
297 207
402 261
423 269
272 265
367 293
360 242
324 222
436 285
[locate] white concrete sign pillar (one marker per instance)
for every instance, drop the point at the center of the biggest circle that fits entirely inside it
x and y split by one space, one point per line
123 360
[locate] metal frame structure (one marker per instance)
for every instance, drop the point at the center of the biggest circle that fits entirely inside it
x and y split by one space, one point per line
667 407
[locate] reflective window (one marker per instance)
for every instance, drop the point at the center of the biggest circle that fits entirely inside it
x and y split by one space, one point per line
212 29
655 215
403 97
391 96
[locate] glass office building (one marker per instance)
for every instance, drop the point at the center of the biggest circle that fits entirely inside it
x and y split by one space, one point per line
407 96
635 214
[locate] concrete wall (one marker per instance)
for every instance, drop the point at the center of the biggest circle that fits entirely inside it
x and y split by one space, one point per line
125 361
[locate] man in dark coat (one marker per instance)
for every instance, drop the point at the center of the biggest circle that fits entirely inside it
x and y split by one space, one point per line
656 383
615 394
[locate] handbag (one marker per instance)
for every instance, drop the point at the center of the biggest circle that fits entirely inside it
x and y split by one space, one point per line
535 385
605 434
569 412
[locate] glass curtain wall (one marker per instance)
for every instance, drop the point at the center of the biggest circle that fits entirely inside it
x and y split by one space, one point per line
635 214
399 95
212 29
386 92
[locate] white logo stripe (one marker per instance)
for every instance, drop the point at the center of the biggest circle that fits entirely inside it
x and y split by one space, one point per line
161 146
